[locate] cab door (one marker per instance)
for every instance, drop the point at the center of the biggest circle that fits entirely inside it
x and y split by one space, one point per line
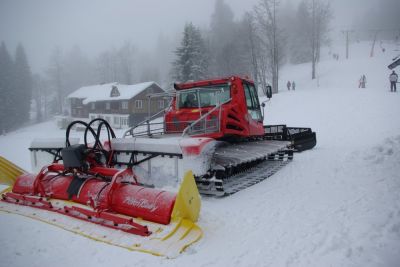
254 114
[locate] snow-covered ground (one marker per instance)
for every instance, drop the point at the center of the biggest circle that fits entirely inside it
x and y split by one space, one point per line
335 205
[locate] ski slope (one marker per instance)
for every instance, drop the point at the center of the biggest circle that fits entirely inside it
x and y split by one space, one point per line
335 205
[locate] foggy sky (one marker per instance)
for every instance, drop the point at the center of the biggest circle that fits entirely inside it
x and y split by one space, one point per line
97 25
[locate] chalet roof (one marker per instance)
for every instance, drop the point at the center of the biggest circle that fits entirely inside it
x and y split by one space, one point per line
102 92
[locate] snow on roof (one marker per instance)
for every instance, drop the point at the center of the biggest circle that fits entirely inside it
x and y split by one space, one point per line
102 92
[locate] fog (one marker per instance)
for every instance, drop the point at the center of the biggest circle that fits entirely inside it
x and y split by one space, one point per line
96 25
50 48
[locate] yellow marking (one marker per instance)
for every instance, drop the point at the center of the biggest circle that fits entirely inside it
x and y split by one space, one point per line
9 172
8 189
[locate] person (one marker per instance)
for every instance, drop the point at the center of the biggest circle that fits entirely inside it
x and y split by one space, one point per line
288 85
190 101
293 86
363 81
393 80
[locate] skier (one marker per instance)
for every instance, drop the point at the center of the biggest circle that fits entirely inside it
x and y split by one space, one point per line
293 86
288 85
363 81
393 80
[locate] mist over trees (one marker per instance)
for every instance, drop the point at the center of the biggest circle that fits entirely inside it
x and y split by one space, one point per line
262 41
379 21
5 88
15 88
22 86
257 44
382 16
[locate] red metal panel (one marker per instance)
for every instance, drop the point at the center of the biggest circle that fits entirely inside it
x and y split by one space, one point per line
147 203
24 184
242 126
118 196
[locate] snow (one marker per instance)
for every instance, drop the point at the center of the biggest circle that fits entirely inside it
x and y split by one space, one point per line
52 143
335 205
102 92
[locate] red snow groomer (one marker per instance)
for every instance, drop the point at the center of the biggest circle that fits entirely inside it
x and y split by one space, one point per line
225 114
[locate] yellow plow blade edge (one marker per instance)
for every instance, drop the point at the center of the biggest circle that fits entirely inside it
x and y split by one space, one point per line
9 172
166 240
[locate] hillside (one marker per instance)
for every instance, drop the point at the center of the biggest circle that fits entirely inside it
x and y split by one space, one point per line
335 205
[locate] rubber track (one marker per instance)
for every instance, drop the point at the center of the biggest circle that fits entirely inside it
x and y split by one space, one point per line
245 165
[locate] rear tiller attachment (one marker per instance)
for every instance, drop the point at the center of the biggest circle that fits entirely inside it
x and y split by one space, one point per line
87 188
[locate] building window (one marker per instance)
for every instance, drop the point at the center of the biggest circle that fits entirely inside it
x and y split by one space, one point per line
124 121
108 119
160 104
92 117
93 105
124 104
76 101
108 106
116 120
139 104
114 91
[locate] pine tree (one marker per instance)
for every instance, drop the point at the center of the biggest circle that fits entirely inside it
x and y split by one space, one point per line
56 74
191 62
224 42
22 85
6 104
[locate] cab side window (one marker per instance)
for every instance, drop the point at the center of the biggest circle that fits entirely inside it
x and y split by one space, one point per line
252 102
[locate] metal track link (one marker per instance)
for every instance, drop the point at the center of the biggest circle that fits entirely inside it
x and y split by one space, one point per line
233 183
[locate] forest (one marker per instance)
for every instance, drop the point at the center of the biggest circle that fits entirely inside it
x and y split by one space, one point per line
257 44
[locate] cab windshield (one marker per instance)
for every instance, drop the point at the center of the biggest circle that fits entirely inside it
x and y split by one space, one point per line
208 96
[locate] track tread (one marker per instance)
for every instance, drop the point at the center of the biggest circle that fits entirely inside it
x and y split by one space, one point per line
253 162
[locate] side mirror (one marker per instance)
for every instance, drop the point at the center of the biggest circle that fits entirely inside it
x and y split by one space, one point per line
262 110
267 91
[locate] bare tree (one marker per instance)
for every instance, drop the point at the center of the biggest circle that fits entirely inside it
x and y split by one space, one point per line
55 74
78 70
320 17
39 95
251 30
266 12
126 59
222 41
116 65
